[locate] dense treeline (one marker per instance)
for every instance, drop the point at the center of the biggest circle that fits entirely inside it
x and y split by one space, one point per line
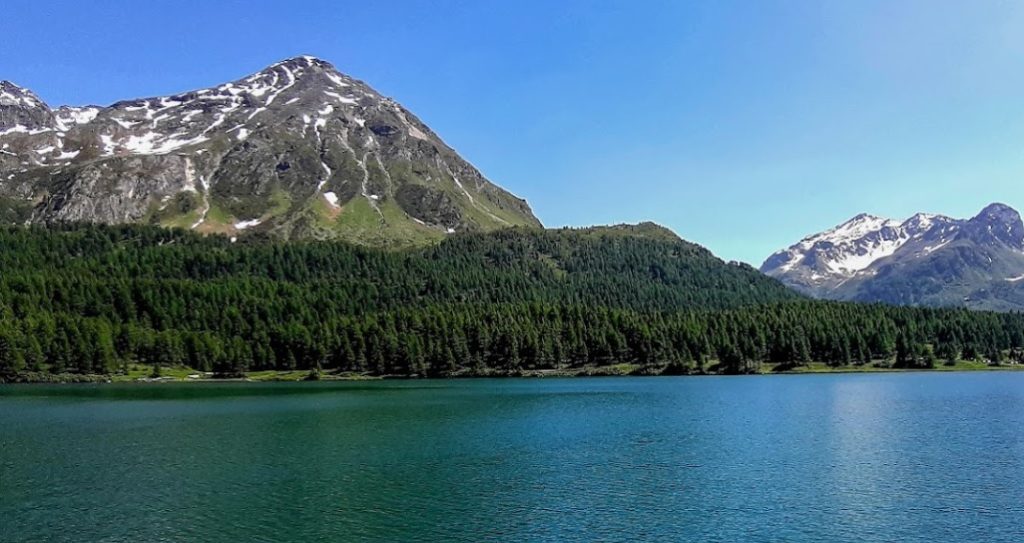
93 299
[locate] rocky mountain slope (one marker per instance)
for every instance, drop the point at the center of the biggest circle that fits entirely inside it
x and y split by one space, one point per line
925 260
298 150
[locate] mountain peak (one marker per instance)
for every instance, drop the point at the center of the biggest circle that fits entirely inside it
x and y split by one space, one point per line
296 150
868 218
999 211
997 222
297 76
12 95
308 61
919 223
922 217
925 257
301 64
301 67
21 110
850 230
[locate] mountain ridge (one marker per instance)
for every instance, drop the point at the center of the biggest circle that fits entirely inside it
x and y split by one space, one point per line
927 259
296 150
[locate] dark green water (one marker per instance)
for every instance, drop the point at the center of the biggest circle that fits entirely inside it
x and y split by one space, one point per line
909 457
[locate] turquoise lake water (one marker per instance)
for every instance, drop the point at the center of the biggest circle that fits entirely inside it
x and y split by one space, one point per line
883 457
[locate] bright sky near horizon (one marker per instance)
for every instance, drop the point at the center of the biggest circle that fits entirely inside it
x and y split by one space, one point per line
741 125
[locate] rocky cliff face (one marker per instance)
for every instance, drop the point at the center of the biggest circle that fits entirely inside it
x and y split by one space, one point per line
925 260
298 150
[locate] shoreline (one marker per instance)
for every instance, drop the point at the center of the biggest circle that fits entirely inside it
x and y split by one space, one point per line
187 375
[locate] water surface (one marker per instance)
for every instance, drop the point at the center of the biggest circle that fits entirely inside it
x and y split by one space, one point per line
907 457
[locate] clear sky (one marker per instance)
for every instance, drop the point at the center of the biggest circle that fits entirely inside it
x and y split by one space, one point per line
741 125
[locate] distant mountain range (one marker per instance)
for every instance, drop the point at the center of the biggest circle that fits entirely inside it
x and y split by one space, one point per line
930 260
297 150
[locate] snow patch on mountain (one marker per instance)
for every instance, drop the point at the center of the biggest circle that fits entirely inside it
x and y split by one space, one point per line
856 261
242 225
850 260
12 95
852 247
68 117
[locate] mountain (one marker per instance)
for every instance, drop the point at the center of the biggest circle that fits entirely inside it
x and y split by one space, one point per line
297 150
930 260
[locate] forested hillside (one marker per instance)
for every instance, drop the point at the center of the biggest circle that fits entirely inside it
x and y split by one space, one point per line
94 299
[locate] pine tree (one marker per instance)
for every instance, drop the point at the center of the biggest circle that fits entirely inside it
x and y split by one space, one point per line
903 351
11 361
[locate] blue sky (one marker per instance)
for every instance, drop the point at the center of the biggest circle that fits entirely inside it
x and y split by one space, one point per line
742 125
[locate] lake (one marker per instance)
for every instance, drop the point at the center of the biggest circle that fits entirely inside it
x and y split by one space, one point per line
878 457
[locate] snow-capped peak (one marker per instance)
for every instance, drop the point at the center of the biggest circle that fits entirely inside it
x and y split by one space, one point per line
303 87
12 95
850 230
851 247
919 224
921 220
288 71
298 127
859 247
305 60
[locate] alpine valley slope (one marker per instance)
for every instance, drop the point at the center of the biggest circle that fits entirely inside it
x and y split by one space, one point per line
297 150
928 260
